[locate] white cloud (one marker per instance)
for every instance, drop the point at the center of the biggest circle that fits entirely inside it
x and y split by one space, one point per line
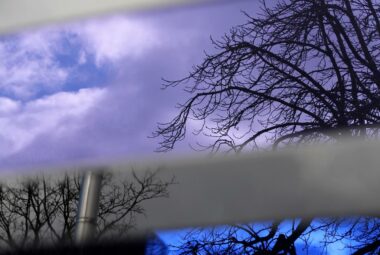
115 38
8 106
51 114
82 59
28 64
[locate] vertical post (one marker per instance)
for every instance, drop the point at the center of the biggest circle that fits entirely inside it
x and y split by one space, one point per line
88 207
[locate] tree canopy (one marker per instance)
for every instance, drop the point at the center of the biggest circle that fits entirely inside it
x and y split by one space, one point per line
292 73
299 71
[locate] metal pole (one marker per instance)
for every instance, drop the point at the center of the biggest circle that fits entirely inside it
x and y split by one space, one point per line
88 207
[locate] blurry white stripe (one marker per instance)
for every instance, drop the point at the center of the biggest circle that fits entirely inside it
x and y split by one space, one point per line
336 180
341 180
17 14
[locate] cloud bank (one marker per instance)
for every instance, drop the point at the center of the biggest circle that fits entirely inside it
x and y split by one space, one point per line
92 89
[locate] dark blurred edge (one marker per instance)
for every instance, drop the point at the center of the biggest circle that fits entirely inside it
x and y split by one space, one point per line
151 245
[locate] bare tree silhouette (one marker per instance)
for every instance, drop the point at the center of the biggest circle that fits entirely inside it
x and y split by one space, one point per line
42 210
300 71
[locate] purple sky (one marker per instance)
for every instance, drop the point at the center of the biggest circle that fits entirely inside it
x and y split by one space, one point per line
91 89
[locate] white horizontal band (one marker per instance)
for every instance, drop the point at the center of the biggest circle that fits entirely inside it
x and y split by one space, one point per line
335 180
18 14
339 180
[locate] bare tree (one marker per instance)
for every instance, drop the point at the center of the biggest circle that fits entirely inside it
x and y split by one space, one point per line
299 71
121 201
302 68
42 210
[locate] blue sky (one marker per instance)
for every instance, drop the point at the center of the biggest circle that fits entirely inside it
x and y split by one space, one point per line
315 241
91 89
